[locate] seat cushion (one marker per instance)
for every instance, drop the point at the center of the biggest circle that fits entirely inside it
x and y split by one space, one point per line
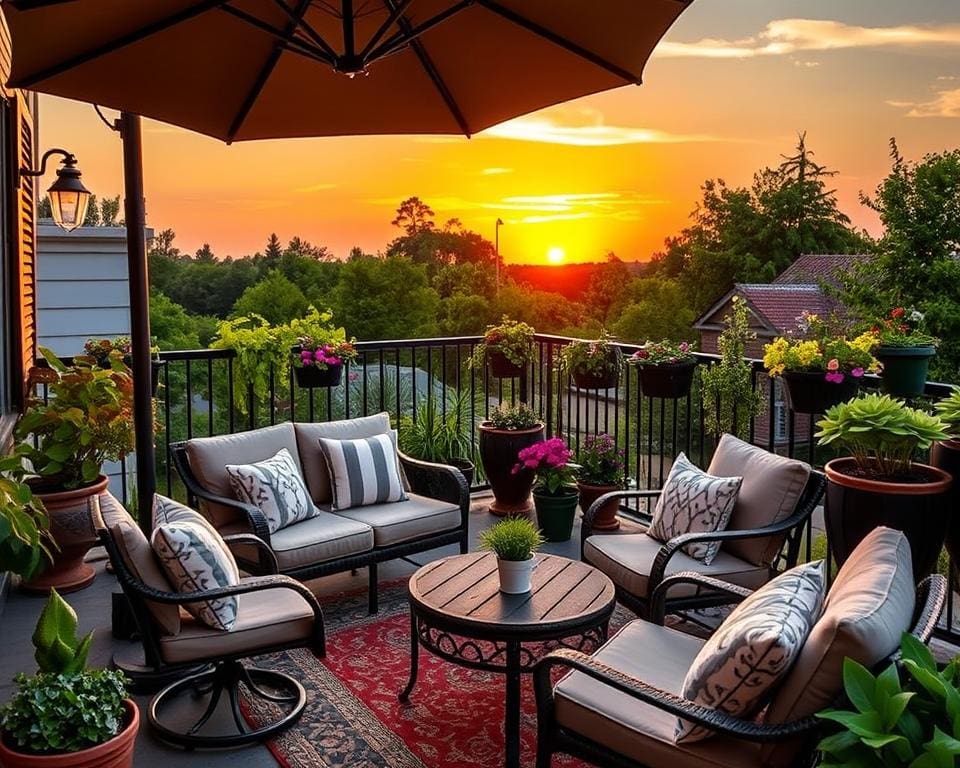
324 537
405 520
209 456
363 471
772 487
627 560
694 502
311 458
275 487
660 657
266 618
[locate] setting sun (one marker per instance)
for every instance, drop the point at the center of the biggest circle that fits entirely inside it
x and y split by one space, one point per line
556 255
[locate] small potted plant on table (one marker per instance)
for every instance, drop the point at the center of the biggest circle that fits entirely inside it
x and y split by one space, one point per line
945 455
601 471
555 493
592 364
509 430
880 484
508 348
665 368
904 352
515 541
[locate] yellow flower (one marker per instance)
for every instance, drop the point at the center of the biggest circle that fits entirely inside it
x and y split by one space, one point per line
865 342
807 352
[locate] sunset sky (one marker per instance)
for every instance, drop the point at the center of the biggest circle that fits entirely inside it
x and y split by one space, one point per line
725 93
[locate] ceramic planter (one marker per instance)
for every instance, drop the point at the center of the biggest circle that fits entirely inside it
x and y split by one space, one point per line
586 380
311 377
555 514
856 505
71 516
810 392
116 753
946 456
501 367
498 452
606 518
515 575
905 368
667 380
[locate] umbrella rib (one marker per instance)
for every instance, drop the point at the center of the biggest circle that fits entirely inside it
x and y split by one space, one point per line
309 30
295 45
399 40
553 37
390 20
268 66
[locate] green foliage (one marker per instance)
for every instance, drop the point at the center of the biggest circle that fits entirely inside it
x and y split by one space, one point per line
24 526
606 288
596 358
916 724
87 421
949 411
664 352
274 298
653 308
728 397
601 462
881 433
170 324
57 648
435 436
519 416
515 538
511 338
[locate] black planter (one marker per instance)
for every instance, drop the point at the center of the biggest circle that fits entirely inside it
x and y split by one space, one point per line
855 506
667 380
585 380
905 368
810 392
501 367
310 377
946 456
498 452
466 469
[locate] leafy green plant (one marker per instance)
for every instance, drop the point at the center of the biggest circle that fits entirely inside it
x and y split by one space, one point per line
916 724
664 352
881 433
439 436
601 462
728 396
515 538
949 411
87 420
903 328
591 358
24 526
511 338
57 648
519 416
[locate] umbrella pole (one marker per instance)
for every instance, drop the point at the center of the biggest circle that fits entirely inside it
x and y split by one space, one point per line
138 280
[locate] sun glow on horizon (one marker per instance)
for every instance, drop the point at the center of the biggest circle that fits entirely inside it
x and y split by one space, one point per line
556 255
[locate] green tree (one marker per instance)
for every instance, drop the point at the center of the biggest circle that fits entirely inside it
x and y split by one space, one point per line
465 279
464 315
170 324
654 308
274 298
606 287
414 216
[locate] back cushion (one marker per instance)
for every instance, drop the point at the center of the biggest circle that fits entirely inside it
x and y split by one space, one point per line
209 457
311 457
772 486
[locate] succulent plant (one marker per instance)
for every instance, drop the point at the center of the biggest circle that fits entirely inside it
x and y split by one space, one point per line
948 410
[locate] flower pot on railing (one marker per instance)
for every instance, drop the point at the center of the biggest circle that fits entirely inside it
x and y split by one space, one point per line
498 452
666 380
810 392
501 366
556 513
589 380
312 376
905 368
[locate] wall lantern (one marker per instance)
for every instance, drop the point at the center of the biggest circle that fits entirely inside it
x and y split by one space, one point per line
68 197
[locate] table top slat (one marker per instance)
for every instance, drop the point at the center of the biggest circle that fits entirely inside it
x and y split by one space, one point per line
448 569
555 595
588 596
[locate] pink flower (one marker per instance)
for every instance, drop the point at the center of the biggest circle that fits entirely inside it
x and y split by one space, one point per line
856 373
684 347
833 365
306 356
834 378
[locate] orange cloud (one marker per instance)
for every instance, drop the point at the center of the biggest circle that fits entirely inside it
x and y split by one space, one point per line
945 104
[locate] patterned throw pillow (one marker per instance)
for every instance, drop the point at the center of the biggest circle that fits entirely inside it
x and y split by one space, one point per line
363 471
276 487
694 502
195 558
754 647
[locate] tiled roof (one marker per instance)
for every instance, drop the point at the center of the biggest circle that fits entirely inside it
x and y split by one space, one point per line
818 268
780 305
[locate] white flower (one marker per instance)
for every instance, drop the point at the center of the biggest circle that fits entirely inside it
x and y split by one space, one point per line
916 317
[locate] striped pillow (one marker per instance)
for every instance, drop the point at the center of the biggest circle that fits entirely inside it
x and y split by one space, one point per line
363 471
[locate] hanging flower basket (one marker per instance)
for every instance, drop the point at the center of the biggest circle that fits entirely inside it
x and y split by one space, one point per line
311 377
667 380
811 392
586 380
318 364
501 367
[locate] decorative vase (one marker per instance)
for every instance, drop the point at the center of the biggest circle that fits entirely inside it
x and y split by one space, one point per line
945 455
555 513
666 380
498 452
810 392
115 753
501 367
606 518
515 575
310 376
466 467
856 505
72 516
905 368
586 380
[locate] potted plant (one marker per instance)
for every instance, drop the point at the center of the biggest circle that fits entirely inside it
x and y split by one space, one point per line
665 368
880 484
66 714
601 471
507 347
904 352
555 494
102 350
515 541
818 366
945 455
318 363
443 435
510 429
592 364
87 420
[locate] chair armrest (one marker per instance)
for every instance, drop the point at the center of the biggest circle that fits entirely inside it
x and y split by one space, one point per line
586 525
267 556
713 719
438 481
658 598
931 598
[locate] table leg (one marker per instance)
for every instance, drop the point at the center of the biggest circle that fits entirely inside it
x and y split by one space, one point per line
414 658
512 713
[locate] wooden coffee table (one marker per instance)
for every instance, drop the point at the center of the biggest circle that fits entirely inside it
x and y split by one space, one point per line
457 612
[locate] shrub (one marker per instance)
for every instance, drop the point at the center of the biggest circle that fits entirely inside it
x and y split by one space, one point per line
591 358
515 538
601 462
512 338
519 416
436 436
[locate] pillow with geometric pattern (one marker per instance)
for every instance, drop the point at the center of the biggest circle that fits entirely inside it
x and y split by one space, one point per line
694 502
276 487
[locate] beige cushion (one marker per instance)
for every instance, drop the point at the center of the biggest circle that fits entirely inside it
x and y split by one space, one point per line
311 458
627 560
660 657
269 617
870 605
324 537
772 486
400 521
209 457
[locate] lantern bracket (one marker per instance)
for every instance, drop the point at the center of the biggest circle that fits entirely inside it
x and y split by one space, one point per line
69 160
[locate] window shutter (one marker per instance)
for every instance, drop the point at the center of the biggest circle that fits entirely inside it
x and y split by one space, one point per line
23 274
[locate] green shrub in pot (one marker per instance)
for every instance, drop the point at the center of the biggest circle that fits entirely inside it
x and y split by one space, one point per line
513 417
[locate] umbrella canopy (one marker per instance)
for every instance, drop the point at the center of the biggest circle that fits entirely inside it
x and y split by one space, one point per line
258 69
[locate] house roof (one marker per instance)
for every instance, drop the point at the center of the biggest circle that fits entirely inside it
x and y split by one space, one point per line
775 307
819 268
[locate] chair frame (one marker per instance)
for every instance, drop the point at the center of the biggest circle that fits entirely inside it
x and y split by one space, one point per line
791 526
553 738
436 481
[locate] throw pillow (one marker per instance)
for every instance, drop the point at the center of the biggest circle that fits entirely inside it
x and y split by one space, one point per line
694 502
195 559
276 487
755 647
363 471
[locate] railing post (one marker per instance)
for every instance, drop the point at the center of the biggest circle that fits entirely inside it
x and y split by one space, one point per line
549 387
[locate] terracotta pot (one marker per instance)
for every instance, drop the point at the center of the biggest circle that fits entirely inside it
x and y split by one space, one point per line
667 380
72 528
498 452
116 753
905 368
606 380
810 392
606 518
946 456
501 367
856 505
